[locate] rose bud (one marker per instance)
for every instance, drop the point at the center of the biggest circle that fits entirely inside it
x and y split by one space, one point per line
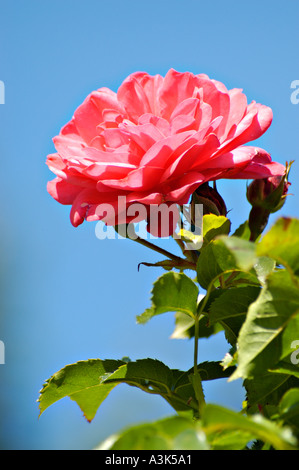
266 197
211 200
268 193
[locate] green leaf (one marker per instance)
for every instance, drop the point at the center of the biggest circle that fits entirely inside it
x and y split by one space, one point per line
230 309
281 242
81 382
290 332
230 440
173 433
214 226
243 252
154 377
267 389
264 336
286 368
289 407
219 428
233 302
225 254
214 260
89 382
229 359
243 231
184 327
149 374
192 240
208 370
218 419
263 267
183 386
172 292
174 386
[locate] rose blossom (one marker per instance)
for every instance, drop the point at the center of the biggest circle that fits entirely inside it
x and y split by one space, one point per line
156 141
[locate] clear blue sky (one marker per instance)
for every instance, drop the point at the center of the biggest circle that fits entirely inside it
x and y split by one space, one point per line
65 295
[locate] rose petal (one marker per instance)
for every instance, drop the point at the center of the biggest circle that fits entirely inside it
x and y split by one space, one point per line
89 114
183 187
143 178
63 191
133 98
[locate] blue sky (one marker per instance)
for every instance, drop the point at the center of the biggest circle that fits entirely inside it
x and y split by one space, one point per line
65 295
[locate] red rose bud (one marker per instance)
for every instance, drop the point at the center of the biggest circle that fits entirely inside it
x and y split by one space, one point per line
269 193
266 197
211 200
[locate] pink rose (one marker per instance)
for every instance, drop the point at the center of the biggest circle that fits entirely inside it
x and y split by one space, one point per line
155 141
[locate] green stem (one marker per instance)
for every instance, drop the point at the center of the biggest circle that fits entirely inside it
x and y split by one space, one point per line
257 222
167 395
222 282
196 380
231 277
180 243
156 248
196 337
179 261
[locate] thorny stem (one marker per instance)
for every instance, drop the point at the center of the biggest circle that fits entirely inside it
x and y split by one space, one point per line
197 384
222 282
180 243
177 259
231 277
